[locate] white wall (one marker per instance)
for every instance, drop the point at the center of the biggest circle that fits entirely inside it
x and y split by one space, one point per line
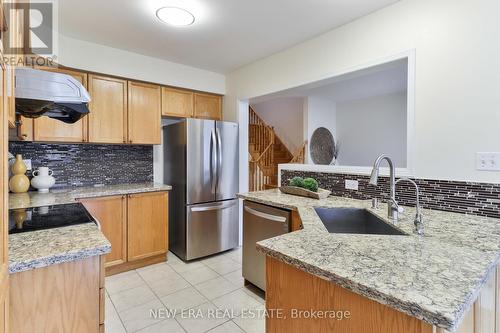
372 126
319 112
286 116
103 59
457 93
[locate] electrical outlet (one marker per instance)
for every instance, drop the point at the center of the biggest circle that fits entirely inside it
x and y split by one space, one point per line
488 161
351 184
28 164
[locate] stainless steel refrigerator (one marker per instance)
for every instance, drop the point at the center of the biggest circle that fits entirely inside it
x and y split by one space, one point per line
201 164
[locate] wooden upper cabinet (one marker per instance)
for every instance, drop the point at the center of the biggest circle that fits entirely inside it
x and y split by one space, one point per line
25 129
147 225
207 106
177 102
144 113
47 129
111 212
107 120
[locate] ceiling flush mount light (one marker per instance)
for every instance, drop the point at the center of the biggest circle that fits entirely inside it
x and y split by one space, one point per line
175 16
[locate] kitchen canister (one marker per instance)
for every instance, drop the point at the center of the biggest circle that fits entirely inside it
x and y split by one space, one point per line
42 179
19 182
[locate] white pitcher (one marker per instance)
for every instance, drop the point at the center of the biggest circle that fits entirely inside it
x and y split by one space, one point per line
42 179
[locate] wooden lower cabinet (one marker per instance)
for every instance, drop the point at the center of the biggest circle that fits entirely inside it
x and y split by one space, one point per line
135 225
59 298
290 289
484 316
147 225
296 222
111 212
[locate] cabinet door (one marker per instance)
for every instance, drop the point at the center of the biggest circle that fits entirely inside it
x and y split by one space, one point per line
176 102
112 215
47 129
25 129
4 268
207 106
107 120
144 113
147 225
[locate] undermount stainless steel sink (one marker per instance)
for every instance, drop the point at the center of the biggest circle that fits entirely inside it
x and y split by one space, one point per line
355 221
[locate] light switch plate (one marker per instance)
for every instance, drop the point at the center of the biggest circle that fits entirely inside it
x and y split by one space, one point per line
351 184
488 161
28 164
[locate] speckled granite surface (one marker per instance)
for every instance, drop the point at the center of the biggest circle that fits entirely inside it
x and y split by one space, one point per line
42 248
435 278
59 197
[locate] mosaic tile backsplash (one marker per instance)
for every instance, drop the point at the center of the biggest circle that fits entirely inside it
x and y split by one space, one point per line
462 197
87 165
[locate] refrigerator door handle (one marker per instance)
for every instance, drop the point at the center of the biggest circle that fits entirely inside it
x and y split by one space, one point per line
213 207
213 161
219 157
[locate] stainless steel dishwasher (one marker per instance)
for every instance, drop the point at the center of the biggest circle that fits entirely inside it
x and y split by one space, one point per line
260 222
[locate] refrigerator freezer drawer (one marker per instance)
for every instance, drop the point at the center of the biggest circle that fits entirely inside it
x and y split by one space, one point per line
260 222
211 228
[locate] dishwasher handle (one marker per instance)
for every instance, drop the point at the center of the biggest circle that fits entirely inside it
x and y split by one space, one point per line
266 216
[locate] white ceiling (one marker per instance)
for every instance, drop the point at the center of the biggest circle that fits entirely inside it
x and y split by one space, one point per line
227 34
379 80
377 83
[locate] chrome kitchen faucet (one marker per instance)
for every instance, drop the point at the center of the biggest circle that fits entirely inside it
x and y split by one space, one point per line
393 208
392 204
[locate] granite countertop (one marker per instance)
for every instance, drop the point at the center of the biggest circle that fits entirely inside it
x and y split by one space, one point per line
65 196
43 248
36 249
435 277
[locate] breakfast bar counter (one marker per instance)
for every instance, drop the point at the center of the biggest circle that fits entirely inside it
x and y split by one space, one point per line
435 278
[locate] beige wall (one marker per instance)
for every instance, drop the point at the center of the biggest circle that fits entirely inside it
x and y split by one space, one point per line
457 95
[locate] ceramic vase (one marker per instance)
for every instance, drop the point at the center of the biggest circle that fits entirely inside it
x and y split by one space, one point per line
42 179
19 182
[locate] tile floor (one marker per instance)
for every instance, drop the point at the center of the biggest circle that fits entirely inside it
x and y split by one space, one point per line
201 286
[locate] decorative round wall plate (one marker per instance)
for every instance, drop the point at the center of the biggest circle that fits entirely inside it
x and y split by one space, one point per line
322 146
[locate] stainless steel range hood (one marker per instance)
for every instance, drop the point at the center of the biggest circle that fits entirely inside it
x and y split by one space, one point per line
55 95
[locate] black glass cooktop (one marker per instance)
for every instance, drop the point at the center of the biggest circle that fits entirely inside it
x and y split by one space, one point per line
47 217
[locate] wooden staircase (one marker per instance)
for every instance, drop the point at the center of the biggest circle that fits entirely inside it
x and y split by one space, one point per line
266 152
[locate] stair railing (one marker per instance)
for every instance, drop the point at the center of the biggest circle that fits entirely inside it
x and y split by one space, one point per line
261 134
299 155
263 138
262 167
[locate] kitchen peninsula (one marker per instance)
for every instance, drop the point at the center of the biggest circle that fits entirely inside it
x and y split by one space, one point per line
60 270
435 281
